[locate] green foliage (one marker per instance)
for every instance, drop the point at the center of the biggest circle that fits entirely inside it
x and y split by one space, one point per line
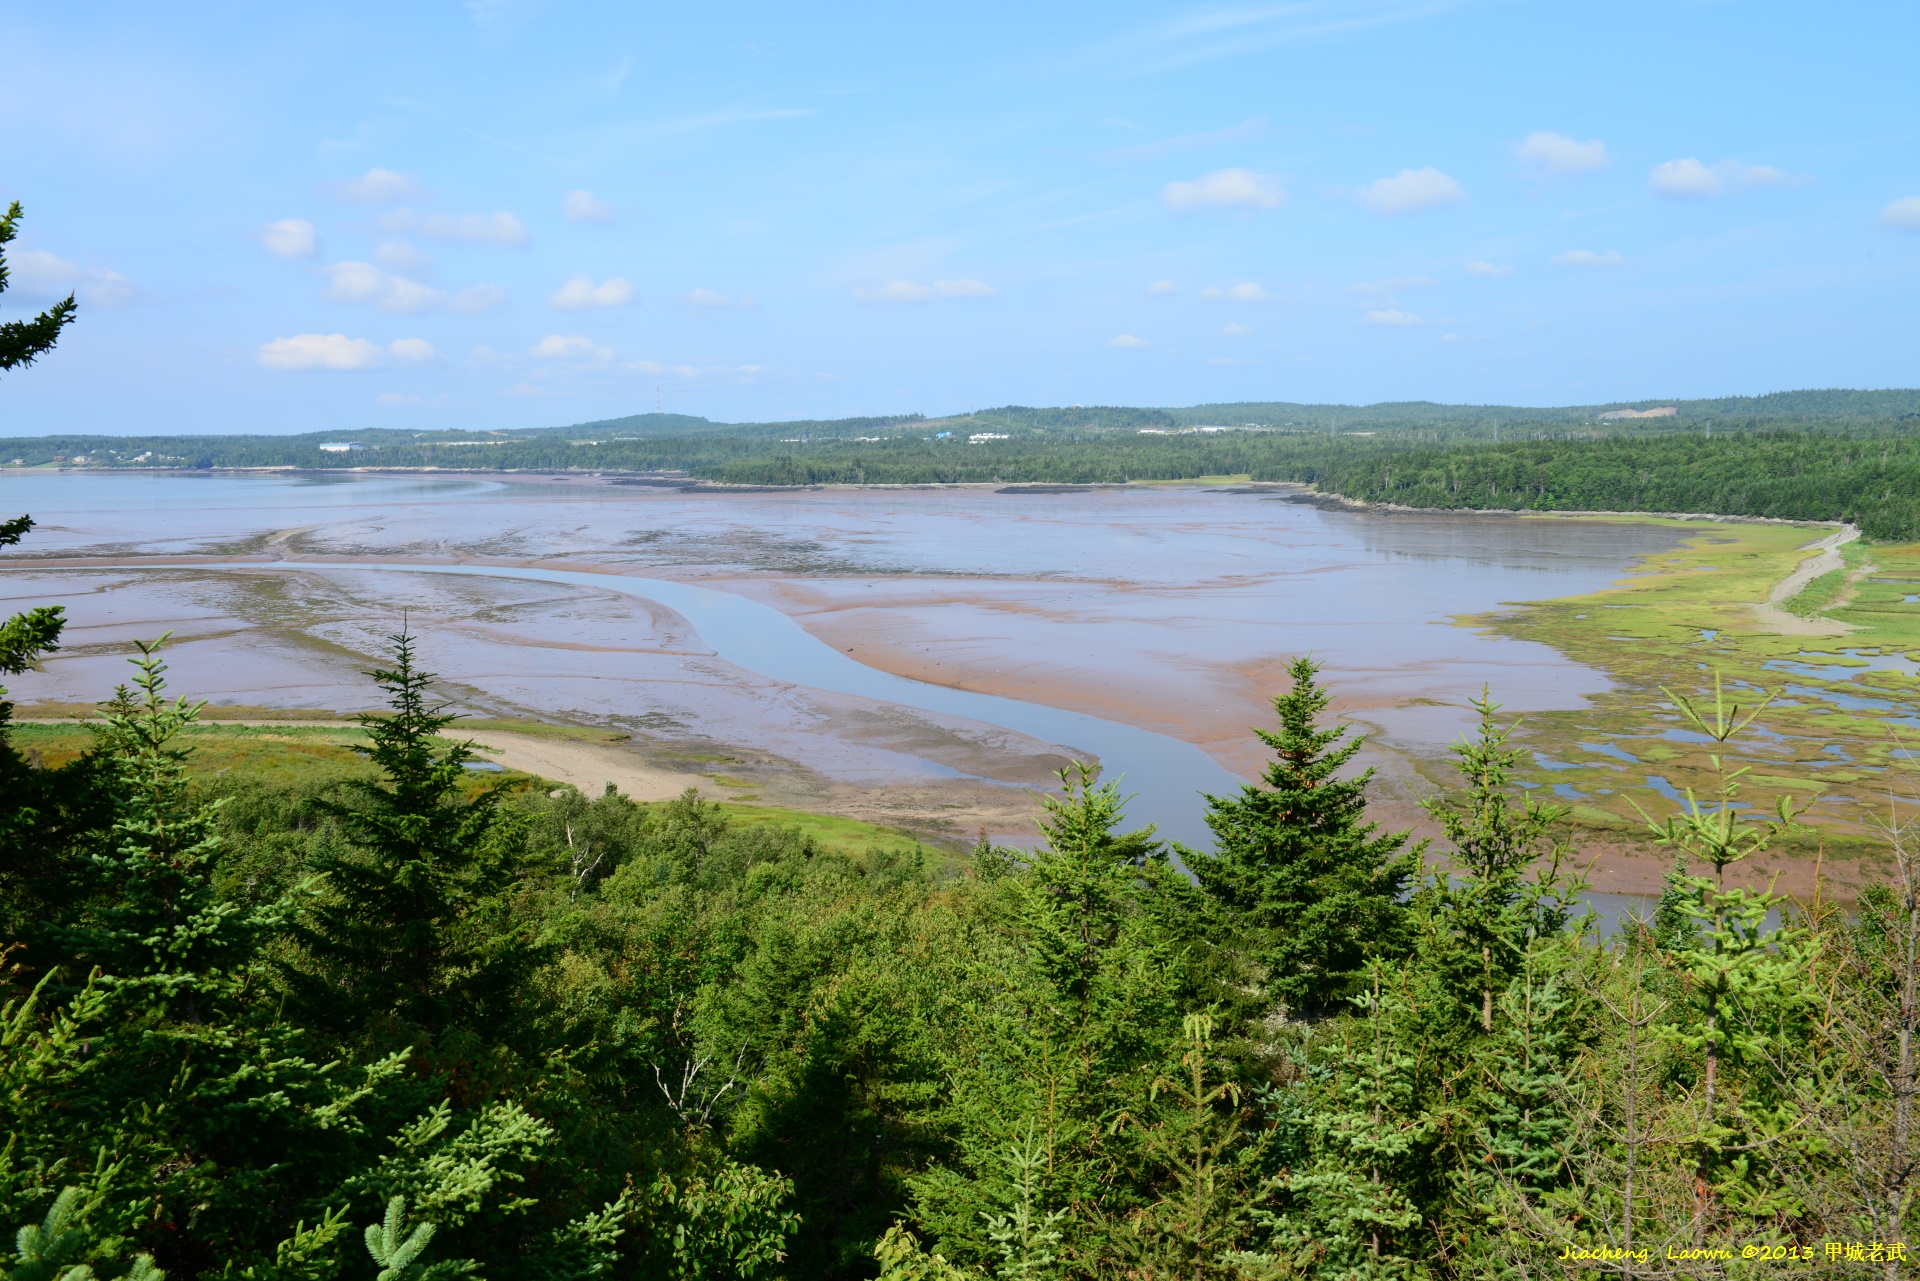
1314 885
24 341
412 925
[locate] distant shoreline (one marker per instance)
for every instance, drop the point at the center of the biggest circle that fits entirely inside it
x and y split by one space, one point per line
1291 490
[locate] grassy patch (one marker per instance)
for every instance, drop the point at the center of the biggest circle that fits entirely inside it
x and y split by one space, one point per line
1832 731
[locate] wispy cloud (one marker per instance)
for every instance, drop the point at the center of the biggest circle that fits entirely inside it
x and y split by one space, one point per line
290 238
1689 179
1226 189
1588 258
35 271
1557 153
569 347
1126 340
584 206
341 353
1245 291
1394 317
579 293
1488 270
1163 287
1903 214
378 186
500 228
1218 31
964 289
1241 132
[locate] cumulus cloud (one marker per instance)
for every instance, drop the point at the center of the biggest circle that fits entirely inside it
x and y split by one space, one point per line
1489 270
1903 214
399 256
339 352
412 351
1235 331
581 294
1126 340
895 291
707 298
1226 189
477 299
379 187
38 272
1394 316
584 206
362 282
1689 179
1588 258
1410 190
290 238
964 289
1248 291
1557 153
1163 287
569 347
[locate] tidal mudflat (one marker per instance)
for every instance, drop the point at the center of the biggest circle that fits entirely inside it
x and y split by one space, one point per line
1168 608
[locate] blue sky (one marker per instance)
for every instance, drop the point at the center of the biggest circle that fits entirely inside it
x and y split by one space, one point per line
509 213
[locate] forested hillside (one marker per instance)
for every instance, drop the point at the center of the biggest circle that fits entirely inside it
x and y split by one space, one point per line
391 1021
1799 455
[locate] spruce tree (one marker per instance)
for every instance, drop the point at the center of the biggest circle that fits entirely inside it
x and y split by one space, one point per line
24 341
410 924
1316 888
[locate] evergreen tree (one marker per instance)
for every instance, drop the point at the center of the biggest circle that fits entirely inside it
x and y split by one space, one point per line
412 924
24 341
163 936
1316 888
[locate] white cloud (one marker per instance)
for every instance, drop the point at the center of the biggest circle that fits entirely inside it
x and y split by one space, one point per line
364 282
500 228
1689 179
39 272
1903 213
1394 316
477 299
964 289
583 206
339 352
379 187
1235 331
1226 189
708 298
1248 291
1410 190
1489 270
1126 340
1588 258
398 256
569 347
581 294
895 291
290 238
1163 287
1557 153
412 351
523 389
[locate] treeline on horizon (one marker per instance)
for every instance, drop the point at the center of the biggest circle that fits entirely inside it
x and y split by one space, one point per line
1817 456
397 1022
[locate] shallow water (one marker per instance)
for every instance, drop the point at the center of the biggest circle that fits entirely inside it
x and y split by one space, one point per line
1138 623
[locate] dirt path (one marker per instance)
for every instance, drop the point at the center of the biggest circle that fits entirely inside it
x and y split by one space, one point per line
1769 614
587 766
